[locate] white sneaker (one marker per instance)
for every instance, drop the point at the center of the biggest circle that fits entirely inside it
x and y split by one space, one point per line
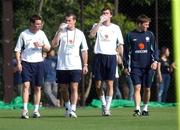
73 114
58 103
107 113
25 114
67 113
36 114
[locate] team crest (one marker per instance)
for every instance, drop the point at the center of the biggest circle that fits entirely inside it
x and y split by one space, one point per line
147 39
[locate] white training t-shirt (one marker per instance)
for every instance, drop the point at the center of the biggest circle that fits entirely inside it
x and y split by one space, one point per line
71 43
108 38
25 45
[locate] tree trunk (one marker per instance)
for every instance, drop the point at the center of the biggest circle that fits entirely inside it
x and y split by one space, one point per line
116 5
40 6
7 28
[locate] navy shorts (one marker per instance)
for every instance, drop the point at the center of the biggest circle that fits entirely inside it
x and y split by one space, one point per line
141 76
33 72
104 67
68 76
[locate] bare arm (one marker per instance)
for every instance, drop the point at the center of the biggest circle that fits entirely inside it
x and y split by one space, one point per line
172 67
55 41
159 76
120 50
18 60
85 61
94 30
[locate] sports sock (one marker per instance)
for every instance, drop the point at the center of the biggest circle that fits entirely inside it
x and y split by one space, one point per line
138 108
36 107
25 106
73 107
108 102
68 105
103 100
145 107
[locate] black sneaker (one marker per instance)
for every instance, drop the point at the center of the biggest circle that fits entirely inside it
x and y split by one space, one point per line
137 113
36 114
73 114
145 113
25 114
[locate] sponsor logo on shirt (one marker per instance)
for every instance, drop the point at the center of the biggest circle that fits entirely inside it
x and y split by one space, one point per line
141 51
141 47
105 38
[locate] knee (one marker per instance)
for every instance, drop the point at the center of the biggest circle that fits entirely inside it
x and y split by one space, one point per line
147 90
63 89
37 89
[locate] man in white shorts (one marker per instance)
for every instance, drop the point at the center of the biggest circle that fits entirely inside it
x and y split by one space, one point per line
29 47
70 67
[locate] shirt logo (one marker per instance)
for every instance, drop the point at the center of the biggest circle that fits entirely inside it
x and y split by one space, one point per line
70 41
141 45
147 39
106 36
141 51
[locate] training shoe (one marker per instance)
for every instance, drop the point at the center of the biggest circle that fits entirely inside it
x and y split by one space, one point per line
103 110
145 113
25 114
67 113
107 113
36 114
73 114
137 113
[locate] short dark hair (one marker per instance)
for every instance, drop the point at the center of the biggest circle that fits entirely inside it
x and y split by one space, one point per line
143 18
107 8
163 50
69 14
34 17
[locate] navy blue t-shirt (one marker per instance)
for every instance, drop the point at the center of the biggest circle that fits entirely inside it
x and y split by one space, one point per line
50 64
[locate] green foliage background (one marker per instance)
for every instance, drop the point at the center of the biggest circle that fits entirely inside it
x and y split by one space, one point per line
53 12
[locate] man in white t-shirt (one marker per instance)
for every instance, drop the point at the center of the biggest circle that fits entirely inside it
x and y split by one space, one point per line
108 40
29 47
70 67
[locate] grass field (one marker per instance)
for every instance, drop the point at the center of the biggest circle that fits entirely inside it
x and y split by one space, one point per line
91 119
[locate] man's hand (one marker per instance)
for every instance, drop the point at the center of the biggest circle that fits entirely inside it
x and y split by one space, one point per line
62 27
38 44
103 18
126 71
154 65
85 69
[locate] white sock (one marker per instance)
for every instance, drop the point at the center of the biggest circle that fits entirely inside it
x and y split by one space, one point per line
68 105
103 100
145 107
36 107
25 106
138 108
73 107
108 102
